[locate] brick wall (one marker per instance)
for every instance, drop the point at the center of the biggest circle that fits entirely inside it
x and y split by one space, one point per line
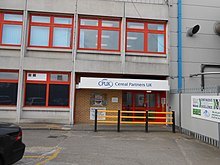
82 107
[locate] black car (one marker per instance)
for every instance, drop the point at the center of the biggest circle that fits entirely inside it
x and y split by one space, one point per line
11 145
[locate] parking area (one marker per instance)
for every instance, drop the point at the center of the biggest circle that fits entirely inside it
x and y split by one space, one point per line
108 147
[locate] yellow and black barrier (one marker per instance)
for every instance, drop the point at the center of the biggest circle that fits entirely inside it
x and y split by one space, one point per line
118 115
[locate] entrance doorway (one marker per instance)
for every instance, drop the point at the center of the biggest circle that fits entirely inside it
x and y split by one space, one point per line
154 101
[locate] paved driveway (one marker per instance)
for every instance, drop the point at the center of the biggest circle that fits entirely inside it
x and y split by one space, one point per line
129 147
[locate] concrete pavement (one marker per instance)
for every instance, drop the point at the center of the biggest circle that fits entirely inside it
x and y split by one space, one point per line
108 147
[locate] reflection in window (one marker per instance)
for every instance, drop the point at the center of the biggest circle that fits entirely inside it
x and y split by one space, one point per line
110 23
134 25
155 42
89 22
59 77
42 19
61 37
110 40
51 31
39 36
151 101
12 17
8 76
8 93
127 99
99 34
155 26
135 41
59 95
139 100
11 34
59 20
35 95
88 38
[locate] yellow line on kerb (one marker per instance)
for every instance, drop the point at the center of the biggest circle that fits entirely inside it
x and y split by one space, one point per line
50 157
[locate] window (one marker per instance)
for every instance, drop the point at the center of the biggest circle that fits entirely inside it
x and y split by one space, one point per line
99 34
51 31
10 29
146 37
47 89
8 87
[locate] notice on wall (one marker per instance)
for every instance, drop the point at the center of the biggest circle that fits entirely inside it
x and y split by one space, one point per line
206 107
92 113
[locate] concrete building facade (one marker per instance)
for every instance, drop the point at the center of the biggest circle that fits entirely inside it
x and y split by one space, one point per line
56 43
199 51
59 46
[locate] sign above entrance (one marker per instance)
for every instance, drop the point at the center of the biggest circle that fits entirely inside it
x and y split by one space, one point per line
123 84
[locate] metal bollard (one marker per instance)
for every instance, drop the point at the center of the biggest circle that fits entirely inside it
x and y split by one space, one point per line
174 125
146 124
95 128
119 120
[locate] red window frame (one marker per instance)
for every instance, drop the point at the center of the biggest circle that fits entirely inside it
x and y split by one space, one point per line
48 82
100 28
146 31
51 26
3 22
9 81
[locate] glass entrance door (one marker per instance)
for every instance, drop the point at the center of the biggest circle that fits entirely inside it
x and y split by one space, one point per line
142 101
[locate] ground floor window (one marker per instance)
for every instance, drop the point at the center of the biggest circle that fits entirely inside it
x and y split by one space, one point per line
8 87
47 89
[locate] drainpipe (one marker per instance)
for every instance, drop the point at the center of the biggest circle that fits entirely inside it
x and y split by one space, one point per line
180 58
179 45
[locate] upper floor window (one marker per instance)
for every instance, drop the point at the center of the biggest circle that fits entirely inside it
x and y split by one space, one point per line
99 34
10 29
8 87
146 37
50 31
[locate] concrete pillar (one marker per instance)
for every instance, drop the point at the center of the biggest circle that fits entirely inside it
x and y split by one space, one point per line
73 74
123 40
21 71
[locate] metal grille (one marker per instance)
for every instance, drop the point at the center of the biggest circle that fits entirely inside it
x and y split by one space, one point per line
197 90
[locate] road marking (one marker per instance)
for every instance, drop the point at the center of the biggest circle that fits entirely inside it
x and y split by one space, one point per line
37 157
48 158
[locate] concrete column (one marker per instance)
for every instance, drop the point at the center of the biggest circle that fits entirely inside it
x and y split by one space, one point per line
219 135
73 74
123 40
21 71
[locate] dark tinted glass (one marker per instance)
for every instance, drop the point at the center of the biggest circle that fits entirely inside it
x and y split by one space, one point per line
8 93
35 95
59 95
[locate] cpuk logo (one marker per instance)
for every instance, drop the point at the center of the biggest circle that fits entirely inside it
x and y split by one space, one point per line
105 83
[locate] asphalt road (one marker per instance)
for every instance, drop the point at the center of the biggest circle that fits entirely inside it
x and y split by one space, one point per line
111 148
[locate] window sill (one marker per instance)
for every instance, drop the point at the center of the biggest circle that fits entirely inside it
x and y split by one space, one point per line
45 109
99 52
49 49
145 54
10 47
7 108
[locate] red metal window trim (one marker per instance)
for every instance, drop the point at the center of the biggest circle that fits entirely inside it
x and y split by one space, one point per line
9 81
146 31
7 22
48 82
51 26
100 28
